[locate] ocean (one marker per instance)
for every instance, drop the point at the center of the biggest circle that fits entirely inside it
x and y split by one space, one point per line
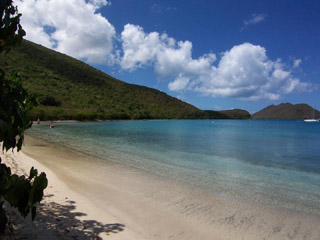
266 161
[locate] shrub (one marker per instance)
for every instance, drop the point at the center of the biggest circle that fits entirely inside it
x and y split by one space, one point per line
50 101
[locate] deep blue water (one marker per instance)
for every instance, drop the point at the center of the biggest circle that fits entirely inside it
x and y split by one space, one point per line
274 162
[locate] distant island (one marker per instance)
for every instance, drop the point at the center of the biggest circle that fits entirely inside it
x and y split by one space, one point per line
69 89
287 111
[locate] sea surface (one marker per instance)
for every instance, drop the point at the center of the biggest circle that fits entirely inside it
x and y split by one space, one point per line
271 162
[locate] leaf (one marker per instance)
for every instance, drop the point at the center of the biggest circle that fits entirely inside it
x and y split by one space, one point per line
33 173
39 184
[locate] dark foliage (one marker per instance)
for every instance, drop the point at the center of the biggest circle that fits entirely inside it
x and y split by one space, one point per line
229 114
14 104
11 32
50 101
236 114
19 191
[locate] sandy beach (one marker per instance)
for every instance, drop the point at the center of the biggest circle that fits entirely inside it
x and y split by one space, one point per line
86 199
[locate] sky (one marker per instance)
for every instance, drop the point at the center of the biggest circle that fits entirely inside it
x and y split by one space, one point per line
217 55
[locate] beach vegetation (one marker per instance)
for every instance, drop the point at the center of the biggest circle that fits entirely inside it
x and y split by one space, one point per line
21 192
49 101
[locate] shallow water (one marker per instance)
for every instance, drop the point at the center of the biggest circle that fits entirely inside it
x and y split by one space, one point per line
271 162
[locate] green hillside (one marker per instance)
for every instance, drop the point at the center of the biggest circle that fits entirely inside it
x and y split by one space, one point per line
287 111
229 114
236 114
70 89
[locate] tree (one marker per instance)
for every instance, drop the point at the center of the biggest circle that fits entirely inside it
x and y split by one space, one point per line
11 32
20 192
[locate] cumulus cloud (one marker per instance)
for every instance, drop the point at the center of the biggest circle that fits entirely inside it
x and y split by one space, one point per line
244 72
138 48
168 56
73 27
180 83
99 3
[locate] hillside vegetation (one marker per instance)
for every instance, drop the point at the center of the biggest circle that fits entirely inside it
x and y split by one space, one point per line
287 111
70 89
229 114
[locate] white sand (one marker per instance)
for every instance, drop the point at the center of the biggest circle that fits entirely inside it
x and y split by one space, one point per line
86 199
64 213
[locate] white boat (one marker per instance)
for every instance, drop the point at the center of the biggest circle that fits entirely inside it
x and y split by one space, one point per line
312 119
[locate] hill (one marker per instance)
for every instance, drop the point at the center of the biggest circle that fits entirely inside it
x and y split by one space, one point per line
70 89
286 111
229 114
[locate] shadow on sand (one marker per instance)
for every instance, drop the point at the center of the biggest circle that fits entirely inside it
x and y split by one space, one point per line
61 221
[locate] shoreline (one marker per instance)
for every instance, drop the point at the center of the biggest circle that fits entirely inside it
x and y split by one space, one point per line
150 208
63 213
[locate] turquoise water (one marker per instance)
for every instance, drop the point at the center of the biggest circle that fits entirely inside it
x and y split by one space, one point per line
272 162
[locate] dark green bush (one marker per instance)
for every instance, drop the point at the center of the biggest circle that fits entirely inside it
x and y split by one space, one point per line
50 101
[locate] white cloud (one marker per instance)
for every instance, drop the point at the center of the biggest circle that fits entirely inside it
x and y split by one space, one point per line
171 61
76 28
297 63
244 72
180 83
280 74
168 56
255 18
99 3
138 47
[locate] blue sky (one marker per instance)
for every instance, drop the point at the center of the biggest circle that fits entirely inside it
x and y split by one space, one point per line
212 54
